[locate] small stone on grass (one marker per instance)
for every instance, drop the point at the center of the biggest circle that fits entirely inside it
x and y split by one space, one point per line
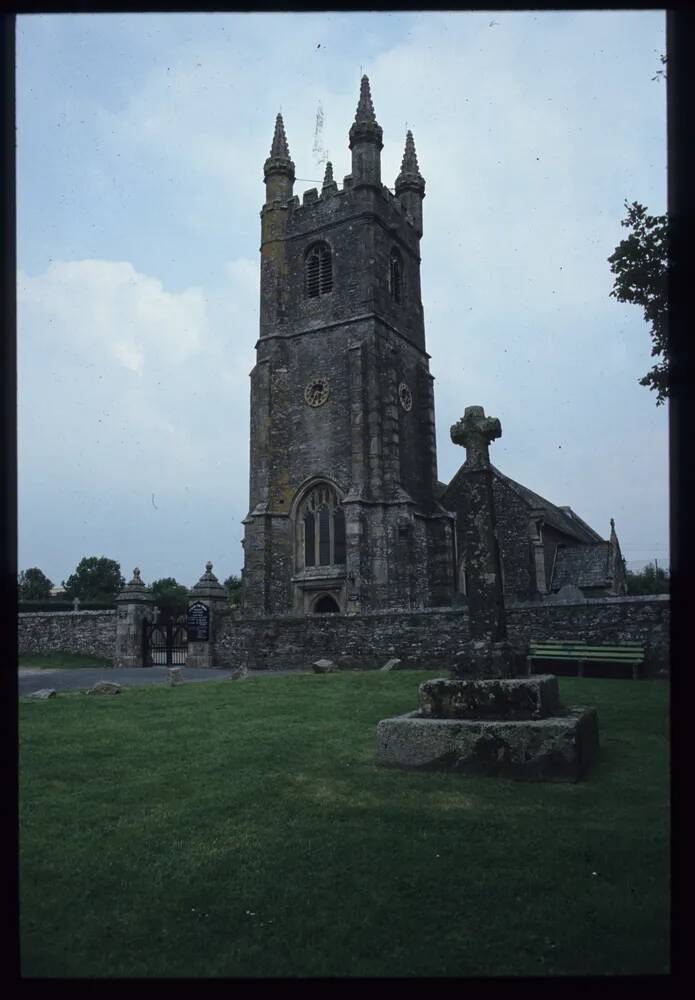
105 687
391 665
325 667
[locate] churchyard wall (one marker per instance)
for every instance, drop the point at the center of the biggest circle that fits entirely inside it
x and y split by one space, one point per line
89 632
432 638
419 639
599 620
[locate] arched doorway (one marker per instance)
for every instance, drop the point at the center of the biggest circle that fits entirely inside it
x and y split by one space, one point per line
326 605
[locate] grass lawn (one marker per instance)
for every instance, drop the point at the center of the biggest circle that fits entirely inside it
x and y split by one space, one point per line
65 661
243 829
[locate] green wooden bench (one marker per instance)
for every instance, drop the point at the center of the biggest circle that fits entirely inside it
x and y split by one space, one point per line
630 653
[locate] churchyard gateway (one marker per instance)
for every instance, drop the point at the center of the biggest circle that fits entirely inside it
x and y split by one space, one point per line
164 644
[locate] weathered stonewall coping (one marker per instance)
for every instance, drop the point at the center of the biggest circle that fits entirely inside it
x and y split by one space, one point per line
447 609
575 602
67 614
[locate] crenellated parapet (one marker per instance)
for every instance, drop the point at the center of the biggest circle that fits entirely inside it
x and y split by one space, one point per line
371 235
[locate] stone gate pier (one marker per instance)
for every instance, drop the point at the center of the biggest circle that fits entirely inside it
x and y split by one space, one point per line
206 600
135 604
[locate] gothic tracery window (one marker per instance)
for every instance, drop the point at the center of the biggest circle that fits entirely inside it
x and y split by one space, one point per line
318 271
323 527
396 275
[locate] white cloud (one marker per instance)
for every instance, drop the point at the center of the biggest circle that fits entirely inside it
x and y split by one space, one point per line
106 309
135 402
129 355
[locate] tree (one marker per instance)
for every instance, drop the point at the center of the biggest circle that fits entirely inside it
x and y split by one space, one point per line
170 597
96 578
653 579
34 585
640 266
233 587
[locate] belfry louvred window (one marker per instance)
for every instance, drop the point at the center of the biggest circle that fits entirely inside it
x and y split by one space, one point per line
318 271
323 524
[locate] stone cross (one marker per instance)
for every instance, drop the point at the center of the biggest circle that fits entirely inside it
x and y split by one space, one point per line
474 431
478 542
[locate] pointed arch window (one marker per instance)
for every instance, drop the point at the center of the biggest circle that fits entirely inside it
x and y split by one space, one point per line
396 275
322 520
318 271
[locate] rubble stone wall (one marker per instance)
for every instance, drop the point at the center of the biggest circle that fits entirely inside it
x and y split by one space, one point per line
420 639
599 620
89 632
431 638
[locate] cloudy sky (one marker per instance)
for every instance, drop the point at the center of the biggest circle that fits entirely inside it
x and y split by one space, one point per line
141 141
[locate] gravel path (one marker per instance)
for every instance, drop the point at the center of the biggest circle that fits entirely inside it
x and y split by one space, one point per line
31 679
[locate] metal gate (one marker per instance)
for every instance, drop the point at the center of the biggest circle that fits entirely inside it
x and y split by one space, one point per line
165 644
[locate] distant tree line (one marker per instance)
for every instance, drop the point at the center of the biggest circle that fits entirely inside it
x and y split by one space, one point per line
233 587
98 580
34 585
653 579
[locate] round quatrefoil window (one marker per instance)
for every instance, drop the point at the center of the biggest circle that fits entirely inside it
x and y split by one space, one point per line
316 392
405 396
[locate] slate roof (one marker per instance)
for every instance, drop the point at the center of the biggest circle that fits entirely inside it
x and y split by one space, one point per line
561 518
582 565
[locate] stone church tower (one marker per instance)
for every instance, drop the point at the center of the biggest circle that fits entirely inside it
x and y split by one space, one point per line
343 515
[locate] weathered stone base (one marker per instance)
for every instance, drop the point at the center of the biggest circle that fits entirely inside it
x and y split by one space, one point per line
512 698
559 748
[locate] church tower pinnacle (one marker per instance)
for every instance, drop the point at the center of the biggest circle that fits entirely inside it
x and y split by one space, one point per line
365 107
410 184
278 170
329 184
366 141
